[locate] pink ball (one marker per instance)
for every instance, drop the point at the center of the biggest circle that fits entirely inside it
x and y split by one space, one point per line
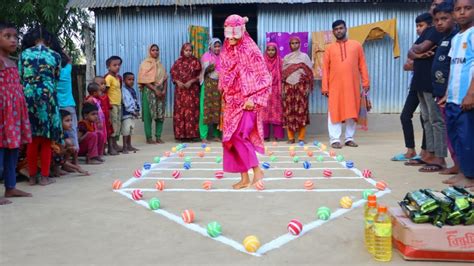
366 173
219 174
167 154
295 227
292 153
327 173
288 173
308 185
137 173
137 194
176 174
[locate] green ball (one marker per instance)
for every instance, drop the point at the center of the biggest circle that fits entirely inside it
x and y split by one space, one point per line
320 158
154 203
218 159
296 159
366 193
156 159
273 158
187 159
323 213
214 229
320 145
179 147
340 158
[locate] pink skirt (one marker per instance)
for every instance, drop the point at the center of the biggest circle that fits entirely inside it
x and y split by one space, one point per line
239 153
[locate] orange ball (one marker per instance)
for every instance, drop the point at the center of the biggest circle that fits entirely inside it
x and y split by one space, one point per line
207 185
310 153
181 154
308 185
381 185
201 154
188 216
332 153
160 185
117 184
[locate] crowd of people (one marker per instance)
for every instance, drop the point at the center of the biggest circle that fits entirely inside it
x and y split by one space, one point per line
234 95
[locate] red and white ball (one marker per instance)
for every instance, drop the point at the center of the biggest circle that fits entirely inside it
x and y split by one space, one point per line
207 185
137 194
167 154
201 154
188 216
366 173
160 185
327 173
259 185
117 184
292 153
176 174
288 173
332 153
219 174
137 173
295 227
308 185
181 154
381 185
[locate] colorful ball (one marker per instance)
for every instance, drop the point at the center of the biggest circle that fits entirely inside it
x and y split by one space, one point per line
301 143
154 204
187 159
327 173
296 159
207 185
147 166
203 145
179 147
319 145
187 165
291 148
306 165
332 153
295 227
259 185
310 153
219 174
266 165
181 154
251 244
323 213
167 154
292 153
157 159
323 147
315 143
320 158
173 149
137 173
273 158
306 148
218 159
269 153
288 173
349 164
185 145
340 158
201 154
381 185
160 185
117 184
366 193
366 173
308 185
188 216
346 202
214 229
137 194
207 149
176 174
274 143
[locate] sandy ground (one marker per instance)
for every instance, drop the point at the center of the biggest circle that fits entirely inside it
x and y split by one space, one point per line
80 220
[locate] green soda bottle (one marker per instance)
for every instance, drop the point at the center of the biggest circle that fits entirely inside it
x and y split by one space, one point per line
383 235
369 217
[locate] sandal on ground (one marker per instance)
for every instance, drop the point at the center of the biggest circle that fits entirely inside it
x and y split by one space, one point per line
431 168
401 158
150 141
291 141
351 143
336 145
415 162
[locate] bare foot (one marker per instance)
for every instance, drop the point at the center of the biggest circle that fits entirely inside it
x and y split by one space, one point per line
454 179
125 151
450 171
84 172
62 173
159 141
134 149
113 152
9 193
241 185
32 180
4 201
46 181
257 175
205 141
93 161
465 183
100 159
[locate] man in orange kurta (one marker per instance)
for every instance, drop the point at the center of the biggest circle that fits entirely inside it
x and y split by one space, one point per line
343 69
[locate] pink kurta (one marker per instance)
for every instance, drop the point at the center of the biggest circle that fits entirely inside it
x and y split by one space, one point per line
343 69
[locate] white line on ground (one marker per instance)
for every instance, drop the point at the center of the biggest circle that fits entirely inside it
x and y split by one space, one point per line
238 178
245 190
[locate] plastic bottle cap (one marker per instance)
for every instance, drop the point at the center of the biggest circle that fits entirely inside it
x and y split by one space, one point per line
382 208
372 204
372 197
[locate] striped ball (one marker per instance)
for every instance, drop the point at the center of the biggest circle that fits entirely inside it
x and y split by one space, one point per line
310 153
179 147
270 153
308 185
366 193
349 164
160 185
137 194
266 165
251 244
173 149
207 185
295 227
214 229
203 145
327 173
117 184
219 174
296 159
301 143
181 154
147 166
288 173
332 153
157 159
188 216
187 165
176 174
185 145
340 158
291 148
345 202
323 147
381 185
218 159
292 153
319 145
306 148
201 154
323 213
366 173
315 143
320 158
137 173
167 154
207 149
306 165
187 159
259 185
273 158
274 143
154 204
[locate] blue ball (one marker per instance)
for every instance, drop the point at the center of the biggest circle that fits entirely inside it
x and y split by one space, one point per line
147 166
306 165
185 145
315 143
204 145
301 143
187 165
349 164
266 165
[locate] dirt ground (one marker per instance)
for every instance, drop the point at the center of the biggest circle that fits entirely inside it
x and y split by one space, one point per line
80 220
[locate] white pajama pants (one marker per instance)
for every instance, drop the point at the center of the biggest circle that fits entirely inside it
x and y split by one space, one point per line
335 130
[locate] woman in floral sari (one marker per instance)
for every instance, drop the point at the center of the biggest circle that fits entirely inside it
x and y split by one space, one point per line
152 79
185 74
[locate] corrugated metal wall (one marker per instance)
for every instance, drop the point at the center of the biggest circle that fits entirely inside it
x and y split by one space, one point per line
388 81
129 31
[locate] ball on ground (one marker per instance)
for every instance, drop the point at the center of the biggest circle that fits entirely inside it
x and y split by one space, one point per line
156 159
340 158
147 166
173 149
266 165
137 194
207 149
306 165
291 148
327 173
366 193
349 164
137 173
207 185
288 173
176 174
167 154
381 185
214 229
201 154
117 184
308 185
187 159
203 145
251 244
188 216
323 213
219 174
218 159
310 153
320 158
296 159
154 204
187 165
160 185
273 158
181 154
292 153
332 153
367 173
295 227
345 202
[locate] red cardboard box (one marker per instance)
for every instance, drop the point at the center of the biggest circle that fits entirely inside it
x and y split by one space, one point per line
428 242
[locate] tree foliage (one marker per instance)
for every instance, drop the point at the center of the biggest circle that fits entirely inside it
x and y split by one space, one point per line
67 24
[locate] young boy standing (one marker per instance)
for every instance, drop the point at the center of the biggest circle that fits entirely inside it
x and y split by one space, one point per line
130 111
460 94
114 82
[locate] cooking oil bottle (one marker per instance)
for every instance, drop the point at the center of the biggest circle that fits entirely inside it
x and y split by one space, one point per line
369 217
383 235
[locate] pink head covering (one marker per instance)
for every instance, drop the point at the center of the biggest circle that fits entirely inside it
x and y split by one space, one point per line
234 26
274 64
